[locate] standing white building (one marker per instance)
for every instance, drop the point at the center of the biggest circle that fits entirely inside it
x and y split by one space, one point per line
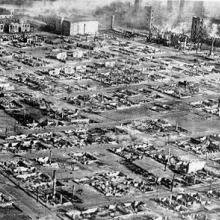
71 26
83 26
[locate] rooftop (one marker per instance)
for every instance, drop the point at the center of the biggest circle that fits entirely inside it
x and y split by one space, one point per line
74 19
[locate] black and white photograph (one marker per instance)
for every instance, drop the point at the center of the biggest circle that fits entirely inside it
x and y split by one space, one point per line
109 109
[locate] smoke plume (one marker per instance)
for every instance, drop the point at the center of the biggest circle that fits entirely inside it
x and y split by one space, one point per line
178 19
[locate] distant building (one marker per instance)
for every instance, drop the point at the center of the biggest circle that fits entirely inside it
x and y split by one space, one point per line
13 27
19 27
51 22
20 11
25 27
4 13
2 27
197 29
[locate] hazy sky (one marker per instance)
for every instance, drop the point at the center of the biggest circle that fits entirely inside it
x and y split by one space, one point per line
212 6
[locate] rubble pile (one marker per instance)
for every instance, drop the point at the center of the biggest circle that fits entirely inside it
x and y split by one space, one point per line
202 145
181 202
154 127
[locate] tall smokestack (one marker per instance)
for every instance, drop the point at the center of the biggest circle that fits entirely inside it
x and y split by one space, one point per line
169 6
181 10
182 6
129 5
112 22
199 9
137 5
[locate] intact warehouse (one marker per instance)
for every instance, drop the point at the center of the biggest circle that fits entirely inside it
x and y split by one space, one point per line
79 27
67 26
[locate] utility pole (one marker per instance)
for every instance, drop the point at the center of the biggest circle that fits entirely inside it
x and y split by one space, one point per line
50 157
172 183
54 184
37 194
171 198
